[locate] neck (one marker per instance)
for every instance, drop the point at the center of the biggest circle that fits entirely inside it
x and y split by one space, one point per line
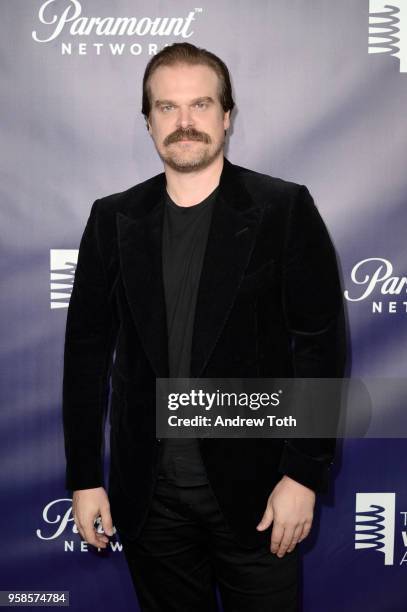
190 188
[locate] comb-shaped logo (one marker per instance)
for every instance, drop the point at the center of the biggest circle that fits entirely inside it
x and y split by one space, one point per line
375 522
62 269
388 29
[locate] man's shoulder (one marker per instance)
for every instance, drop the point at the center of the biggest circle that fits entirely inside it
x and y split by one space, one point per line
267 183
121 200
269 191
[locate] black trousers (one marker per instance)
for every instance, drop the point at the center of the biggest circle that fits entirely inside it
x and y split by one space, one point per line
186 548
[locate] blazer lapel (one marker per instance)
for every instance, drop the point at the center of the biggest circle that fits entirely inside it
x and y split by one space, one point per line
139 234
231 240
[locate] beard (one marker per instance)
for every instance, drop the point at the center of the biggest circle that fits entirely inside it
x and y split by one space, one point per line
189 160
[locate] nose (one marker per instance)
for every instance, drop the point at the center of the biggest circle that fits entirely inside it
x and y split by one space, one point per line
184 118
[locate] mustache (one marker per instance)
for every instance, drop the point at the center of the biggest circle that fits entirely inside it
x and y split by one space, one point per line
190 133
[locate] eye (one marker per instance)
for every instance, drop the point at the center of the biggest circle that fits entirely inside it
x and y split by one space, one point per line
201 105
166 107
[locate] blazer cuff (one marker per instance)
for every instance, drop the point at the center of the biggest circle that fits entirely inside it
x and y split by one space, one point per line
308 471
83 479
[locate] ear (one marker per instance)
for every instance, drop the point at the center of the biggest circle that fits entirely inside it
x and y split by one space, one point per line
226 120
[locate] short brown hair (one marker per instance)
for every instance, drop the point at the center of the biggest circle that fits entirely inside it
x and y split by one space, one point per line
185 53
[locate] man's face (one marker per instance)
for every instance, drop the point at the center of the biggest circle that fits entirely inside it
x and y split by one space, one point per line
187 121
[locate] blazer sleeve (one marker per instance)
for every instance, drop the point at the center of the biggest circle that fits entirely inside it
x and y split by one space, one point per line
91 329
314 313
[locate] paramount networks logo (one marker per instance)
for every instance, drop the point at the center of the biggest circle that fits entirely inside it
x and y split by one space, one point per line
373 276
388 29
62 271
69 22
60 524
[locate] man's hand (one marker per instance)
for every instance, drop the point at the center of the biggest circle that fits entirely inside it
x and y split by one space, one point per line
291 508
87 505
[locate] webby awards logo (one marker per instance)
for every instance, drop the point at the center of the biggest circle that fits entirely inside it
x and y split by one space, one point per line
64 22
62 273
388 29
375 523
376 528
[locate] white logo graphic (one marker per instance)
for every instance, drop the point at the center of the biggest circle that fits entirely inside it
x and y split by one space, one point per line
373 275
388 29
58 513
71 19
375 523
62 267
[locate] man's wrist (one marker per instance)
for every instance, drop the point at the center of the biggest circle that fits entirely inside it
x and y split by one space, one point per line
299 484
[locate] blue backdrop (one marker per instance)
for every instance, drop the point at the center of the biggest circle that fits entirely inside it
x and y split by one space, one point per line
321 93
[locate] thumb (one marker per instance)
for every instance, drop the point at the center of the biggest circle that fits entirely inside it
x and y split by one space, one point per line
267 519
107 522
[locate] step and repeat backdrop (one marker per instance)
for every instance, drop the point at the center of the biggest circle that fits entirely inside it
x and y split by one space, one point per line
321 94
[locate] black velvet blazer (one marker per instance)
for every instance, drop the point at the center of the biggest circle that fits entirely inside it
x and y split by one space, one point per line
269 305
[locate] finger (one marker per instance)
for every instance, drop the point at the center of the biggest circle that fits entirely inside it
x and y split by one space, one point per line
305 531
286 540
98 530
78 527
296 535
267 518
107 522
276 536
90 533
102 538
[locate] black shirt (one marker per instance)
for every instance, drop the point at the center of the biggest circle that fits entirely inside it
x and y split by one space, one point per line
185 232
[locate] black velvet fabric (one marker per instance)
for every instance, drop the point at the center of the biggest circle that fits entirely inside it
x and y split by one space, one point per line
269 305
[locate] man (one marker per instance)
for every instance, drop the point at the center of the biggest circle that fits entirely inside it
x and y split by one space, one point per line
205 270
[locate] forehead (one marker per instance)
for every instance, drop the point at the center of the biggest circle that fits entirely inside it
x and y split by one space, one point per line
183 81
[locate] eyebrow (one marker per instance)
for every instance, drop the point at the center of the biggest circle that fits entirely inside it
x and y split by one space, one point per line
201 99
